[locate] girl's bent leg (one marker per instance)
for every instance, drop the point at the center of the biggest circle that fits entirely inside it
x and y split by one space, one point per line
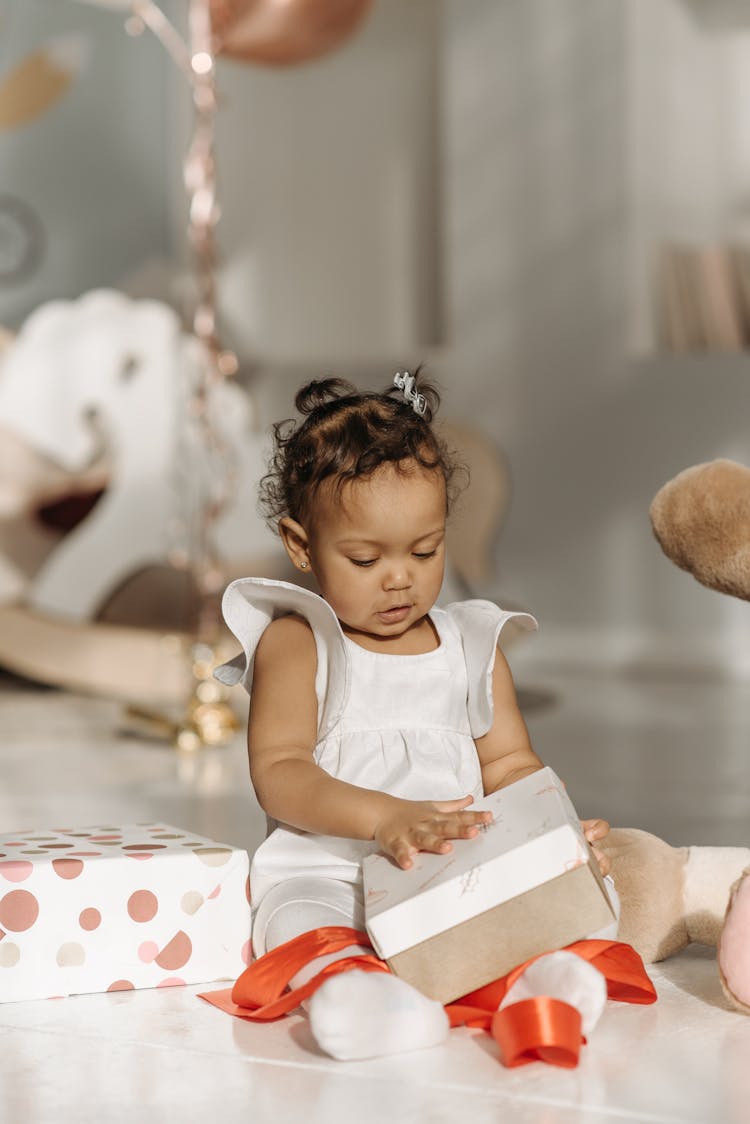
355 1014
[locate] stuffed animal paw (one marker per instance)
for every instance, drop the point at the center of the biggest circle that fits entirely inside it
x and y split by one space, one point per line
673 896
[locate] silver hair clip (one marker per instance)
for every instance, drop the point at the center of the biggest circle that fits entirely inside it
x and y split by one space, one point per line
405 383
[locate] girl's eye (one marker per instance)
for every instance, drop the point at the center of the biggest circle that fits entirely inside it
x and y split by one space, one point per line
426 554
362 561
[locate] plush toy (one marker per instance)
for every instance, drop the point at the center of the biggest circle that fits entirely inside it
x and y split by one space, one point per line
672 896
702 521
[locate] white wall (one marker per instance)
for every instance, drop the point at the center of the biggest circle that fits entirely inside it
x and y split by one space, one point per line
549 139
688 140
92 167
329 196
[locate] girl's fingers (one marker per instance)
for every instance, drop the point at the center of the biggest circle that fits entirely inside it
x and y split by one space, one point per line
402 853
432 841
595 829
455 828
453 805
605 864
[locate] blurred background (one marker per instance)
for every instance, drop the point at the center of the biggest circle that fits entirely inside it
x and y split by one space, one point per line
518 194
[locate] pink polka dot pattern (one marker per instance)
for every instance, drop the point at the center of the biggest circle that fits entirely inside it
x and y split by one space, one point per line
90 919
16 870
121 985
75 918
67 868
18 910
143 905
177 953
148 951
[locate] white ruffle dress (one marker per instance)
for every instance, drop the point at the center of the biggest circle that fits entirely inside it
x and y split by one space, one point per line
402 724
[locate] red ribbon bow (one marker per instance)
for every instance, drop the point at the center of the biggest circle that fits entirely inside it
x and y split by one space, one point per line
539 1029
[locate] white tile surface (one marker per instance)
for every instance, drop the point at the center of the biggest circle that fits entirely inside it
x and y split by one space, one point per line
660 753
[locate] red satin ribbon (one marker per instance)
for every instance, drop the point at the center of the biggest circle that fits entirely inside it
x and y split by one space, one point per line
535 1029
539 1029
260 992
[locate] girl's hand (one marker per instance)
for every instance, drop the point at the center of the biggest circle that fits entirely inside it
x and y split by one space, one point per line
426 825
594 830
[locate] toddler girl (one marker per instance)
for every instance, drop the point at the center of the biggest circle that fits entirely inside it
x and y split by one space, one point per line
376 719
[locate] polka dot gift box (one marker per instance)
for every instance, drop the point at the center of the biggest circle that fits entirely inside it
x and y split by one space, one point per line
113 908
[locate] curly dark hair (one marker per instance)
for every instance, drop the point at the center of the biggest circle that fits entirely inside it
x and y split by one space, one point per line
347 434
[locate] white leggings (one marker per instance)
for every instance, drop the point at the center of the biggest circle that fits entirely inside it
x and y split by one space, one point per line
300 904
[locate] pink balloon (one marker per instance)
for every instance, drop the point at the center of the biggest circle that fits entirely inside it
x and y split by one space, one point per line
283 32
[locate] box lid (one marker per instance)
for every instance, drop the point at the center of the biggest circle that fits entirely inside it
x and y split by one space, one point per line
535 836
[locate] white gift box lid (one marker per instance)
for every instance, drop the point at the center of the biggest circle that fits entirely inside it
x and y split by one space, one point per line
535 836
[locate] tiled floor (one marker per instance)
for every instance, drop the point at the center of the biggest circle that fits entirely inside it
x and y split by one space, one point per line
653 751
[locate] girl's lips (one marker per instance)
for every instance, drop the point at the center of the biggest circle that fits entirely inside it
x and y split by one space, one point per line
393 616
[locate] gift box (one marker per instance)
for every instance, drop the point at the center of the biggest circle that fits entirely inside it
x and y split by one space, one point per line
528 883
113 908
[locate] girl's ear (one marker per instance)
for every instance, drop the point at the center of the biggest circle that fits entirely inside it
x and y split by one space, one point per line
296 543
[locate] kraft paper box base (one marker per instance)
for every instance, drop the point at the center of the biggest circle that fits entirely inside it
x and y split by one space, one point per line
527 884
115 908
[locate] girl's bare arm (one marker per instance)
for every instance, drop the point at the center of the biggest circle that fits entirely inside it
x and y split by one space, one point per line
290 786
506 754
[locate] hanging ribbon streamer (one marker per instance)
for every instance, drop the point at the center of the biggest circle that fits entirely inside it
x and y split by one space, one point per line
211 470
206 476
540 1029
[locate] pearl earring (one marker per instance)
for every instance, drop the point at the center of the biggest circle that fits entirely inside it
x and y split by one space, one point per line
303 565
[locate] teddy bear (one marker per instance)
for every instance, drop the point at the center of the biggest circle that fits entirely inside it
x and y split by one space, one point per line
672 896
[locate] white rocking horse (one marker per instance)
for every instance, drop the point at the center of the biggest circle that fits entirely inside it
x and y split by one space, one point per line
93 397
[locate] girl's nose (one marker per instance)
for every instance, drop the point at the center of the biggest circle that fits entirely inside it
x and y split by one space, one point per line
398 576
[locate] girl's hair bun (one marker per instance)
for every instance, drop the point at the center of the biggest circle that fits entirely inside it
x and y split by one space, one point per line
346 434
320 392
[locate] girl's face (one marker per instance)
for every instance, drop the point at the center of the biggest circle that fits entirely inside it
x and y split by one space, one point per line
377 548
